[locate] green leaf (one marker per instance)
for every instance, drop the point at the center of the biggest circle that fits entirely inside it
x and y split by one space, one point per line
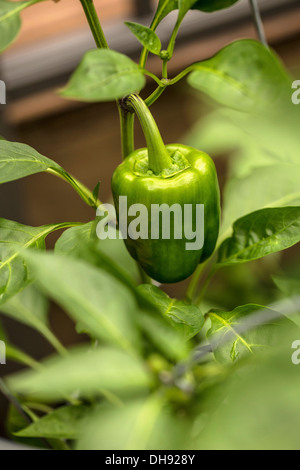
92 297
244 75
71 239
147 424
14 423
259 409
63 423
20 160
163 335
213 5
275 185
14 238
88 372
164 8
3 334
104 75
16 355
96 191
29 307
146 36
188 319
234 345
261 233
184 6
288 285
108 254
10 21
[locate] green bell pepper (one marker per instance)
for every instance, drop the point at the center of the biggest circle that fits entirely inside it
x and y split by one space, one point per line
167 175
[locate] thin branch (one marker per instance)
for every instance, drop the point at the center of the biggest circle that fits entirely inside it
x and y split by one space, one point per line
277 310
258 22
13 400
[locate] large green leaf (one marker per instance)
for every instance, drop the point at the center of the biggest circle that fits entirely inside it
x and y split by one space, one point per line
99 302
10 21
63 423
20 357
20 160
29 307
231 345
290 286
3 333
259 410
88 372
14 238
275 185
163 335
244 75
14 423
256 140
188 319
104 75
139 425
261 233
108 254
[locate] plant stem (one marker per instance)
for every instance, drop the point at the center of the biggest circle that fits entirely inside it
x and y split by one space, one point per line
85 194
94 23
144 277
154 77
181 74
173 38
165 69
13 400
127 131
155 95
192 287
258 22
20 357
51 338
158 156
209 278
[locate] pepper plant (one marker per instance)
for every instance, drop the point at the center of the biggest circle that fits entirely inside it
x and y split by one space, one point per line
157 368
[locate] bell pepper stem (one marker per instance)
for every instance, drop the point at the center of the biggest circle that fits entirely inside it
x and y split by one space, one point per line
158 156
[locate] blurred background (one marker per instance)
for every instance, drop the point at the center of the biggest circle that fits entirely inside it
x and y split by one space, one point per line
85 139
